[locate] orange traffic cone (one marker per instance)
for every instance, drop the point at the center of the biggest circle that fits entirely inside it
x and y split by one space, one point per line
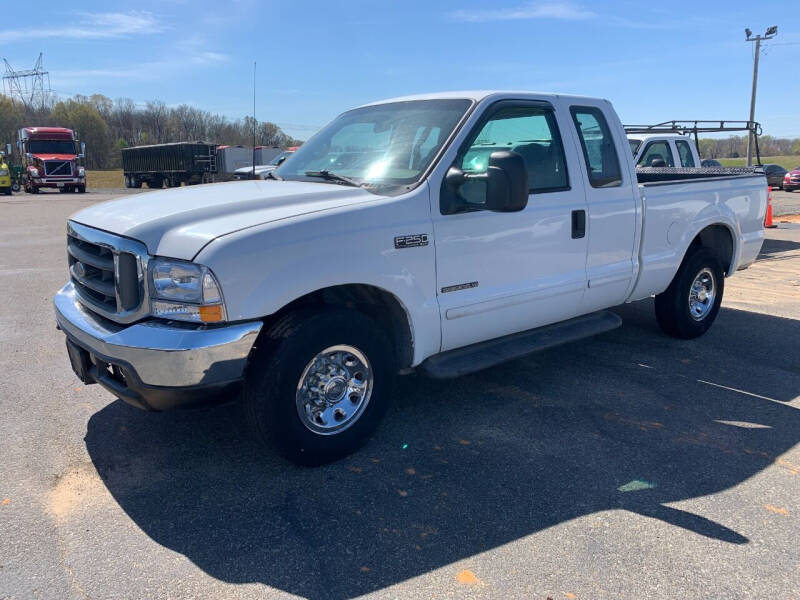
768 224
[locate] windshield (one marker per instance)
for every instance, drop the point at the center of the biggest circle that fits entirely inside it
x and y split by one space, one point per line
634 145
51 147
277 159
382 145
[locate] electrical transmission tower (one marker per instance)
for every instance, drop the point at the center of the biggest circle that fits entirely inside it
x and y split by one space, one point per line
31 86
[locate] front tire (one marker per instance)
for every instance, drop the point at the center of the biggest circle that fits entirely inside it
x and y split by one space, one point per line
688 307
319 384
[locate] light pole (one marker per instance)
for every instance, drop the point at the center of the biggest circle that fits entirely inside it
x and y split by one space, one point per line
770 33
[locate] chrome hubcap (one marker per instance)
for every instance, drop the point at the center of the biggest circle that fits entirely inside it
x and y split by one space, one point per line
334 389
702 295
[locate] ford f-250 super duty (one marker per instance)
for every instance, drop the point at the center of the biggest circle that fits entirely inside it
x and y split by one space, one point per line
446 232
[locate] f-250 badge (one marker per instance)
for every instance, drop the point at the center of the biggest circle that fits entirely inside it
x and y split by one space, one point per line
411 241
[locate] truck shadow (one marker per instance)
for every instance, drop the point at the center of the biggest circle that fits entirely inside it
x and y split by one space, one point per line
630 420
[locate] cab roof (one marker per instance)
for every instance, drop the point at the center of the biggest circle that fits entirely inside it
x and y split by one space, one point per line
478 95
46 133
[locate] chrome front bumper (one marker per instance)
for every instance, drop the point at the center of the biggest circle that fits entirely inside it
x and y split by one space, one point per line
155 355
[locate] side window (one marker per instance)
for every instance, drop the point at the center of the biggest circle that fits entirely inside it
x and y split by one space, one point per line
531 132
657 150
685 152
602 162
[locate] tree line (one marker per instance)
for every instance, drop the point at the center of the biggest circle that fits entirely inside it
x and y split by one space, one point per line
108 125
736 146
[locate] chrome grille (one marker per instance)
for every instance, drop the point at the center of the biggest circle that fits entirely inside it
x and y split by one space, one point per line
58 167
107 272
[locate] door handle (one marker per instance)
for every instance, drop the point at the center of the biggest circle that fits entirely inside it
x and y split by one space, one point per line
578 224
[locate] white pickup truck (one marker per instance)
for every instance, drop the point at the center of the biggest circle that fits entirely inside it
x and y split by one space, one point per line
663 150
446 232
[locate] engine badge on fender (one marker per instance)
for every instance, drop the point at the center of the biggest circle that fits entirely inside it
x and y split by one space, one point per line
411 241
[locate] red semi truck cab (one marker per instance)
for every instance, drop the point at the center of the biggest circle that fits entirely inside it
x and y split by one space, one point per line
50 157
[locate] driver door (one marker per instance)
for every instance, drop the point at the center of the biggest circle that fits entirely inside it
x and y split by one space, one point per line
500 273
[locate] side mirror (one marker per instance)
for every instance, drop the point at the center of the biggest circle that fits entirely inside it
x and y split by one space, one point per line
507 182
658 162
281 160
83 150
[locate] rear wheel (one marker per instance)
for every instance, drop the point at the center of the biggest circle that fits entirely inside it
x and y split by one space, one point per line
319 384
688 307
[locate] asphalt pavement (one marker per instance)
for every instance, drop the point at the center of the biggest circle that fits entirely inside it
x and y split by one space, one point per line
630 465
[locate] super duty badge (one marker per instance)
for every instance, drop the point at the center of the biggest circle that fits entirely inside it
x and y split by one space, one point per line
411 241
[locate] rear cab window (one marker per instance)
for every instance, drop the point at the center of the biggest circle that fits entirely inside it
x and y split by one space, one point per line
599 153
685 153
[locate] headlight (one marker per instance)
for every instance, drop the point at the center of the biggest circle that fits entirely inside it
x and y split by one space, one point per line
184 291
34 172
3 172
81 171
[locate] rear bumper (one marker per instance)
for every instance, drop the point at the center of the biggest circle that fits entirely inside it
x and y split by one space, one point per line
157 365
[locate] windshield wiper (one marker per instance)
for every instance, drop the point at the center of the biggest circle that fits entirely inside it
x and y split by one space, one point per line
331 176
271 175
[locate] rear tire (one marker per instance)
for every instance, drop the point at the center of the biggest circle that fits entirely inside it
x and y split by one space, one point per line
303 360
688 307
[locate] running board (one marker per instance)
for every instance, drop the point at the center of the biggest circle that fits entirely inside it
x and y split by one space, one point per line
483 355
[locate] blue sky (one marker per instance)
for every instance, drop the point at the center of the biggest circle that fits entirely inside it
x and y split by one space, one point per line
654 61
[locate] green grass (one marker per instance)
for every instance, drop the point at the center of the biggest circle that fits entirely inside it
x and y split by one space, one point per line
105 179
787 162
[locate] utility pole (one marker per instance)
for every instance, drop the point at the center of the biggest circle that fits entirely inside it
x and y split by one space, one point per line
770 33
254 119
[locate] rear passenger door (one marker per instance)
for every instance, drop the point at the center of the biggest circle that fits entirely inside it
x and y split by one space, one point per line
500 273
611 223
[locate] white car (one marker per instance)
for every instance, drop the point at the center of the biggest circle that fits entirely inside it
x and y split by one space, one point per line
444 232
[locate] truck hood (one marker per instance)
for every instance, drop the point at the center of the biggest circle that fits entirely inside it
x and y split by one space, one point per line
178 222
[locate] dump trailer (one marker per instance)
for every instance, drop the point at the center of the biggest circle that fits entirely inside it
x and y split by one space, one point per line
169 164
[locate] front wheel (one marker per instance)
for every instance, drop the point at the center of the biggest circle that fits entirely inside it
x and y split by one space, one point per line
319 384
688 307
